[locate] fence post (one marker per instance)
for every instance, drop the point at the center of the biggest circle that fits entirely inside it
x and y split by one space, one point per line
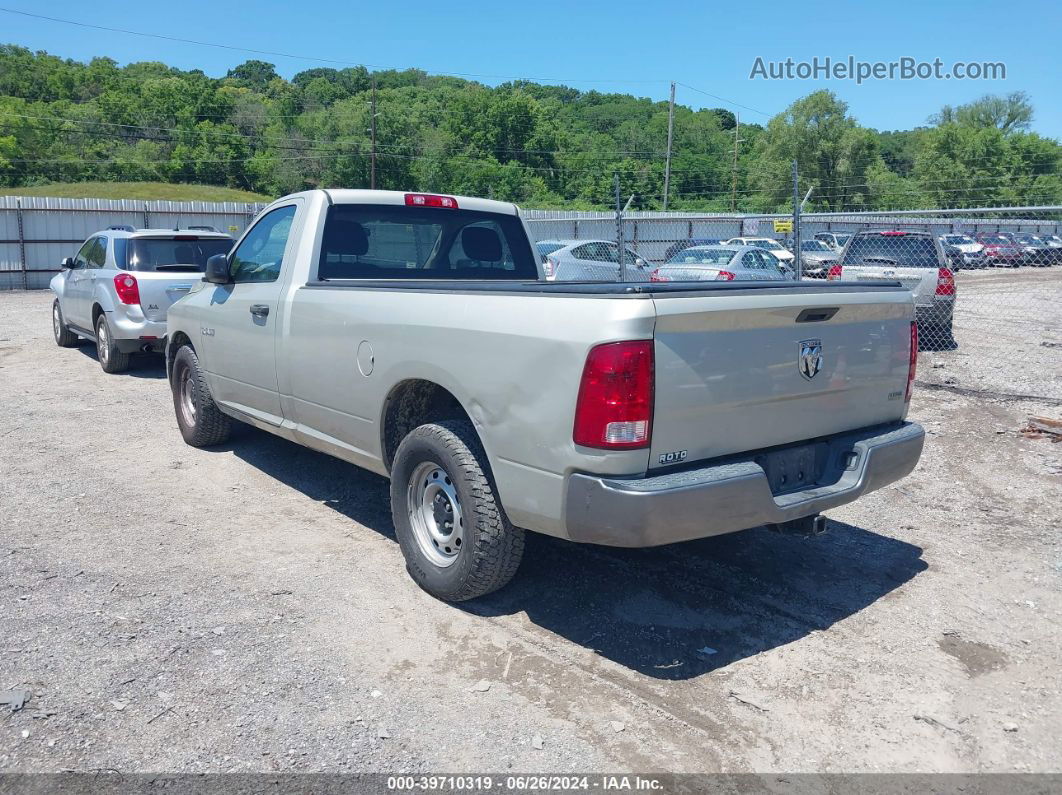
21 244
619 228
798 267
147 217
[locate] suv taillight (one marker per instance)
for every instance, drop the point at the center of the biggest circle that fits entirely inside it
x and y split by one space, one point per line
834 273
127 289
614 410
945 282
912 364
724 276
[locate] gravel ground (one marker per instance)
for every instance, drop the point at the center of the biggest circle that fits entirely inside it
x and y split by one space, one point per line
1008 326
246 609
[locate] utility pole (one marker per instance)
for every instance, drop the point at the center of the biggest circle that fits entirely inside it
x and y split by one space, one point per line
619 229
797 263
733 170
670 137
372 167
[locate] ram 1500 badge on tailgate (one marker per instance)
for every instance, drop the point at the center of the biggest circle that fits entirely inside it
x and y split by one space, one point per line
415 336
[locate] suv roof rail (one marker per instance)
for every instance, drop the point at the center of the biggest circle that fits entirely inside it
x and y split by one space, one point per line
121 228
202 228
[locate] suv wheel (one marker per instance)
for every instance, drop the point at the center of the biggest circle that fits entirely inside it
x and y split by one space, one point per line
201 421
455 537
64 337
111 359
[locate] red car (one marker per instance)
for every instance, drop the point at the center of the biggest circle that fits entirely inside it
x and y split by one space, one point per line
1001 249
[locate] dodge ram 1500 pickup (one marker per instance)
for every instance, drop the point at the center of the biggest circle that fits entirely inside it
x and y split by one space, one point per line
415 335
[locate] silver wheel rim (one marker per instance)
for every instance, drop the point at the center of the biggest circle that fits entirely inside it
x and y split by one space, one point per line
57 324
435 514
102 343
187 397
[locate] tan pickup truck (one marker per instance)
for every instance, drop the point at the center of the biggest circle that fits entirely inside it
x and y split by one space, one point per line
415 336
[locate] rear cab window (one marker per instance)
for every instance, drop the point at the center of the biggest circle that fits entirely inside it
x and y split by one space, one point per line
179 254
368 241
904 250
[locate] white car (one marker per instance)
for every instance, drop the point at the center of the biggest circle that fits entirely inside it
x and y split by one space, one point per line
973 253
722 264
589 261
776 248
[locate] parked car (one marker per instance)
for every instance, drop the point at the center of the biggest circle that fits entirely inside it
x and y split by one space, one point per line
834 240
970 253
1054 241
816 258
418 340
117 288
682 245
917 261
776 248
1037 251
1001 249
590 261
721 263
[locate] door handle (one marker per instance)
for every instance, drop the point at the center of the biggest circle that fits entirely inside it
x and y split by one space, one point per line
259 310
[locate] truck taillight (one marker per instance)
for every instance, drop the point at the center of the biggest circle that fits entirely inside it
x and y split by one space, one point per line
430 200
912 364
945 282
127 289
724 276
834 273
614 410
657 276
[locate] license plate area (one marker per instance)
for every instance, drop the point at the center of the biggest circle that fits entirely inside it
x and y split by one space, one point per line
794 468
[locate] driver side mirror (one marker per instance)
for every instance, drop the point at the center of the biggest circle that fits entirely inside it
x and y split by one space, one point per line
217 270
67 263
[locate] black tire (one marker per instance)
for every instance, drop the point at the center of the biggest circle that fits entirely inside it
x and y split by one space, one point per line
201 422
64 337
111 359
490 548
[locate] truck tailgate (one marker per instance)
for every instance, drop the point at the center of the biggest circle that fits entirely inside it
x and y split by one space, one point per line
740 371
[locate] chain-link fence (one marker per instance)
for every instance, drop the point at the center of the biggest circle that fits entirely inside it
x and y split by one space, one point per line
986 282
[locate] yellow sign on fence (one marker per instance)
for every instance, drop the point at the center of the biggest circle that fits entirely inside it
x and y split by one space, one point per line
783 227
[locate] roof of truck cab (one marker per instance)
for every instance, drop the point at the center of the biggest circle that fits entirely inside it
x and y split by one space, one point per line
398 198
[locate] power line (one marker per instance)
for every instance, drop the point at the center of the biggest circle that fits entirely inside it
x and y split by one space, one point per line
314 58
721 99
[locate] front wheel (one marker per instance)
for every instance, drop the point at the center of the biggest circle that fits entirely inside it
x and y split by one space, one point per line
457 542
64 337
201 421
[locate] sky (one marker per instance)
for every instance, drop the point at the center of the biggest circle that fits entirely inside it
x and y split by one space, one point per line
638 48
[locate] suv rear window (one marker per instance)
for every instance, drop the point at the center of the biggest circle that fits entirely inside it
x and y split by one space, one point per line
908 251
368 241
180 254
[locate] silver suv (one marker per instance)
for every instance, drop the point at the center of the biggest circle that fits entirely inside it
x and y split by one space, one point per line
118 286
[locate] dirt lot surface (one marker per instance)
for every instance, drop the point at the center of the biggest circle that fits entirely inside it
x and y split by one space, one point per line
246 609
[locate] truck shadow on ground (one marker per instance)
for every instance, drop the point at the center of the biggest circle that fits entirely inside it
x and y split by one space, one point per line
672 612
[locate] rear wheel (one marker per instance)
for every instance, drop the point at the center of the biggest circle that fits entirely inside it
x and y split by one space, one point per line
64 337
455 537
111 359
201 421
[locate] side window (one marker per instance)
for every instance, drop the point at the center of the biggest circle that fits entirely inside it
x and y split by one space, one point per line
751 261
260 255
97 253
582 252
82 256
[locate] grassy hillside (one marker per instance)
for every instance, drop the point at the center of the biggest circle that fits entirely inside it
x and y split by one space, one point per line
137 190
